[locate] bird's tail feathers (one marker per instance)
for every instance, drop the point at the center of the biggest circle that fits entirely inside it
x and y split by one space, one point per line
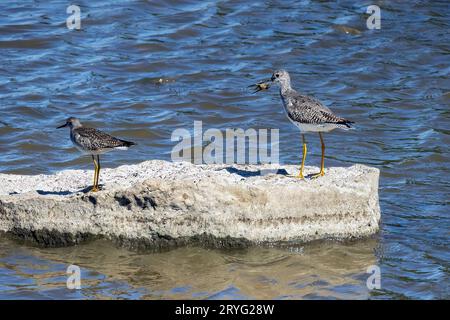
127 144
346 124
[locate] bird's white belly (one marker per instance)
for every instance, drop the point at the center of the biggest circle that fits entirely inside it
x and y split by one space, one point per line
93 152
308 127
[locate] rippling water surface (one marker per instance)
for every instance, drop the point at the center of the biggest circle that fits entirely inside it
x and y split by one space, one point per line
140 69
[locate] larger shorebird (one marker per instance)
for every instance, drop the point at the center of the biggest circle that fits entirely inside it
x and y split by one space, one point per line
94 142
307 113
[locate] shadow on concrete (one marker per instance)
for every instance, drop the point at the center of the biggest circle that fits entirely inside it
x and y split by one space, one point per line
247 173
65 193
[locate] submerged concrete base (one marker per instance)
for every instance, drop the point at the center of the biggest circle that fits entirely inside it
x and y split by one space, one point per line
159 203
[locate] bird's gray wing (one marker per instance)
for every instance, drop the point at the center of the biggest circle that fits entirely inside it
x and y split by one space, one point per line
94 139
307 109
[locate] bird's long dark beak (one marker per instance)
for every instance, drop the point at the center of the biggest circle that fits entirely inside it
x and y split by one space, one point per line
64 125
261 85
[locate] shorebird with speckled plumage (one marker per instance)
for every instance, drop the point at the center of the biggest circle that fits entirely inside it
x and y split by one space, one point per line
305 112
94 142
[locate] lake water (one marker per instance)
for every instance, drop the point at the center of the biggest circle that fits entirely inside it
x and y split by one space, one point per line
140 69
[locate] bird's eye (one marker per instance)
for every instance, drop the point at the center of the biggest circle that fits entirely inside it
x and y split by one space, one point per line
277 75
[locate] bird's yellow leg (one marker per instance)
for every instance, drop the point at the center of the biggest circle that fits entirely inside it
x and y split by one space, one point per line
322 164
300 174
98 171
94 186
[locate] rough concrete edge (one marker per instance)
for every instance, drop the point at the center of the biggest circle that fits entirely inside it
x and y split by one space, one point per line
55 239
46 238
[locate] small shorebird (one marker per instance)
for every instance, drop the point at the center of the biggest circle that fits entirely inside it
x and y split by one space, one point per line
94 142
307 113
